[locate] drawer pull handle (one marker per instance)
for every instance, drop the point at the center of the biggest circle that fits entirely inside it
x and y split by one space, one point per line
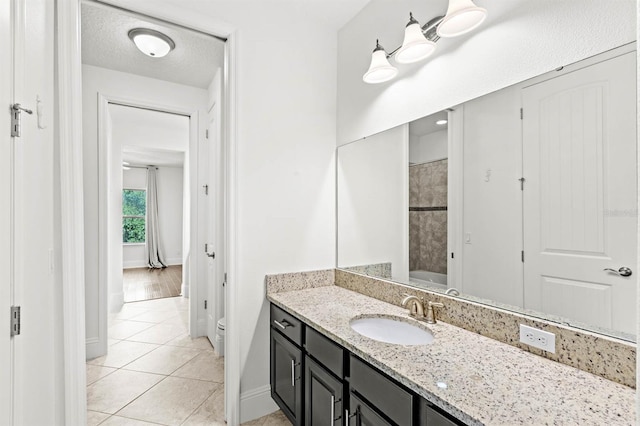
283 325
293 372
333 410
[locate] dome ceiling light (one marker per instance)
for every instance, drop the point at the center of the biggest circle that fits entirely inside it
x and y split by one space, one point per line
152 43
420 41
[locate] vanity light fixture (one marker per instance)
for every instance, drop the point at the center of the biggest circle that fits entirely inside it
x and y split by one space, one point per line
462 16
415 46
420 41
151 42
441 122
380 69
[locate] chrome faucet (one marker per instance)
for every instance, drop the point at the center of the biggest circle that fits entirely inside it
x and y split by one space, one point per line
416 308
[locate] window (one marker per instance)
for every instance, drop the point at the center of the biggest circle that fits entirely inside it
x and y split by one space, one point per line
134 215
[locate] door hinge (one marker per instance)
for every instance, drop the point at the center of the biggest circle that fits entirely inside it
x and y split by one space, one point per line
521 114
15 320
522 255
522 183
206 133
205 304
16 113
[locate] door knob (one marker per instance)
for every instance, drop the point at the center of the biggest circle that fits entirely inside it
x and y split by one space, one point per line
623 272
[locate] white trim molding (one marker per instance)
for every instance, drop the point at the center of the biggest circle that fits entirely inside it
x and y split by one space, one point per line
69 118
232 371
258 403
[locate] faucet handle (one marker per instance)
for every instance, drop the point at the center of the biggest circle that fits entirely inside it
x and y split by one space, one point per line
431 316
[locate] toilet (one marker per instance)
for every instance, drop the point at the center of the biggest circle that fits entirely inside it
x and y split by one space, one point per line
219 340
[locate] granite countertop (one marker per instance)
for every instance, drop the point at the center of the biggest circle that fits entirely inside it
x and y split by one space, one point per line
476 379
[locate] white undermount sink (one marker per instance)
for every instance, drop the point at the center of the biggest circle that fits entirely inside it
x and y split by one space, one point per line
389 329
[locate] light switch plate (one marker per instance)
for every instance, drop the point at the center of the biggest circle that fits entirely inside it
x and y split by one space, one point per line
538 338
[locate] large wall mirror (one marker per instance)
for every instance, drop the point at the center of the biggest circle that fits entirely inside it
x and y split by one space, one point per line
525 198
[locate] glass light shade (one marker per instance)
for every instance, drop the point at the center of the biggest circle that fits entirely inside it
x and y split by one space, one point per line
415 46
380 69
151 43
462 16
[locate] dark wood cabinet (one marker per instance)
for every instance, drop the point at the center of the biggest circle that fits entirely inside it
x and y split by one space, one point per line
361 414
323 397
286 374
432 416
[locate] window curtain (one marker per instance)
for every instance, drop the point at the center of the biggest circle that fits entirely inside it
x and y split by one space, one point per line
155 258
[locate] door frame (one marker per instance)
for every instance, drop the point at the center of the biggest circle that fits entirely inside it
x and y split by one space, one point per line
106 163
69 81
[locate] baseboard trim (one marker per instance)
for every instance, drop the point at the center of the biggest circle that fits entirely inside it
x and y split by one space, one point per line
93 348
116 301
134 264
202 327
256 403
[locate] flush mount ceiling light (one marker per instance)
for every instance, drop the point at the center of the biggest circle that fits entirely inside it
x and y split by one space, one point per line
152 43
420 41
380 69
441 122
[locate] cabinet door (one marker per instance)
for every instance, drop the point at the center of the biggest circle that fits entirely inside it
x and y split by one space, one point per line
433 416
361 414
323 396
286 371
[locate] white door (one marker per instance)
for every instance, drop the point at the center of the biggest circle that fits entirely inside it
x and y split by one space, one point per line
211 229
6 224
30 392
580 197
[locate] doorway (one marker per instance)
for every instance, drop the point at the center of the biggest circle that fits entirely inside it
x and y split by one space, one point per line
120 76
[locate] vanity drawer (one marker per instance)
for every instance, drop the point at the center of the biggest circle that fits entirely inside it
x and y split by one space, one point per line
391 399
324 350
286 324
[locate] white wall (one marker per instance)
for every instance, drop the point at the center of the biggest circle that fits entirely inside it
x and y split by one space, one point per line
520 39
373 200
430 147
170 190
145 90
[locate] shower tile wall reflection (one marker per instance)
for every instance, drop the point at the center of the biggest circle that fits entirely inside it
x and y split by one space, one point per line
428 217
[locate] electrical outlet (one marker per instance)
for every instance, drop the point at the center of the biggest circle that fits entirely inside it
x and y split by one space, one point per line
538 338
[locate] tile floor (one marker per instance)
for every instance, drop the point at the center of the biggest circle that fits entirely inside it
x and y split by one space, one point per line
155 373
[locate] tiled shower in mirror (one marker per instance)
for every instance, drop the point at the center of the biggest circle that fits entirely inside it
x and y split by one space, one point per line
428 200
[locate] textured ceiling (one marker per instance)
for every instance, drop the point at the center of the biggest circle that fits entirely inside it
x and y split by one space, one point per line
425 125
105 43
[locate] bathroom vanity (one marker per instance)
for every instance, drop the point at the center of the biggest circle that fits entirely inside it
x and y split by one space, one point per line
316 381
322 371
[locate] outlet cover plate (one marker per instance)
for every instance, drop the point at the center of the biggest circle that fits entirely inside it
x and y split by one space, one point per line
538 338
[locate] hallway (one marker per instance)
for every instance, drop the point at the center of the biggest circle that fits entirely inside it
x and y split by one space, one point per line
155 373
